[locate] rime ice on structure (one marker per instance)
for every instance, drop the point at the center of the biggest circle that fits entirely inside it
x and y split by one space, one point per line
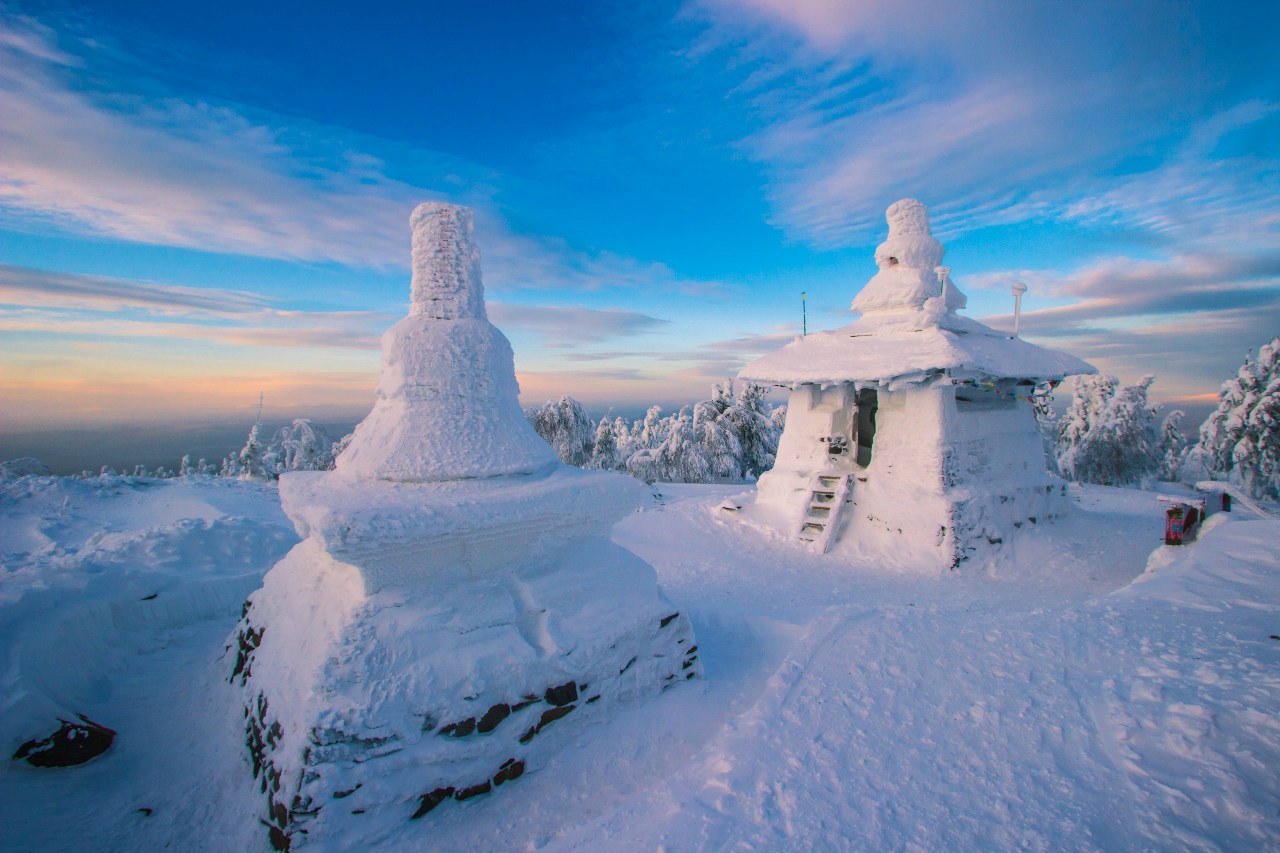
456 609
446 264
909 431
447 402
908 263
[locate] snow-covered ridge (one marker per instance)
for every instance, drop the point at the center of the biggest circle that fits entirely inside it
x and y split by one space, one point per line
1043 701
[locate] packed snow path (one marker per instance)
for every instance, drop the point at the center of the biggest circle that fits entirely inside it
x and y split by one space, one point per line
1061 697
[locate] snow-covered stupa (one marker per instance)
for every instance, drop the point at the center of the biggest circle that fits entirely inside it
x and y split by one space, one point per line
910 431
456 608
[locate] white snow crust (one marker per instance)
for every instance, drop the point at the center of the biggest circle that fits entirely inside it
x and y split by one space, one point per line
439 534
908 262
446 281
1077 690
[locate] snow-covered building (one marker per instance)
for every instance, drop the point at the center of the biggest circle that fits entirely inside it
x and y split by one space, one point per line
456 607
909 430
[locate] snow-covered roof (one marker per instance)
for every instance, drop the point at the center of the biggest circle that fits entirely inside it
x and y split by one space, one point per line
909 328
873 353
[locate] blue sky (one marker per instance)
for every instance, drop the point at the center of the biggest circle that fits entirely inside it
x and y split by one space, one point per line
198 204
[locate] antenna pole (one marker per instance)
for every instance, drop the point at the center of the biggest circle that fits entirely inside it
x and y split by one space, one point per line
1018 289
804 315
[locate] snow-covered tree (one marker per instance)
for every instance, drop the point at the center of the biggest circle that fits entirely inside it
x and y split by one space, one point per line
654 429
302 446
715 439
681 458
1047 422
624 439
565 426
340 445
1172 446
1109 434
1240 441
778 417
757 433
247 463
604 449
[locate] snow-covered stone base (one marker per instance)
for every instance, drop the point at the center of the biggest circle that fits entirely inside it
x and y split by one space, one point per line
362 702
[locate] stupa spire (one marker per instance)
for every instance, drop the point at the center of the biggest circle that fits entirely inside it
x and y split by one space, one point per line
910 277
446 264
447 402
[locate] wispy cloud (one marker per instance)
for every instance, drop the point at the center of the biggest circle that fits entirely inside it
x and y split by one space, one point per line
1187 319
182 171
41 398
44 288
567 324
66 305
993 111
1125 288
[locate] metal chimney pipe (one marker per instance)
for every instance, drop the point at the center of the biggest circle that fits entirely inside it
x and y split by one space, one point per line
943 272
1018 289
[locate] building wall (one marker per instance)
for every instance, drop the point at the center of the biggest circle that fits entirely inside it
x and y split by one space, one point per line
995 472
948 478
812 414
899 503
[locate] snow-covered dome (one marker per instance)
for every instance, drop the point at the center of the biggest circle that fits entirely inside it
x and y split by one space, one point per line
447 403
909 265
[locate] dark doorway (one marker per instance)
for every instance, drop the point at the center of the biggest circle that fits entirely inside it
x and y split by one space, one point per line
867 402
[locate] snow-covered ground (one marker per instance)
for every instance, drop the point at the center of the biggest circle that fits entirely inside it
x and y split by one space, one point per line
1089 689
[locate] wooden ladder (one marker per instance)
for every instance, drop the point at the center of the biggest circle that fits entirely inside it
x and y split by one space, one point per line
824 509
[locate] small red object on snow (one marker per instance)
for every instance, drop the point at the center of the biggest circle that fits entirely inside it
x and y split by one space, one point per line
1173 525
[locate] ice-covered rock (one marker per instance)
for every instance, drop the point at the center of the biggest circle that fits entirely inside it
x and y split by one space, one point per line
456 608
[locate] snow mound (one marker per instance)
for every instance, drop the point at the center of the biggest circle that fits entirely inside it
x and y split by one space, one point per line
26 466
91 570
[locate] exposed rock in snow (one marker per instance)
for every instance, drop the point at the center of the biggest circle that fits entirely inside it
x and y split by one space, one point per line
456 608
71 744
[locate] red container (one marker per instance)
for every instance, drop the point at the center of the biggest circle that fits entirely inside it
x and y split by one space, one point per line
1173 518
